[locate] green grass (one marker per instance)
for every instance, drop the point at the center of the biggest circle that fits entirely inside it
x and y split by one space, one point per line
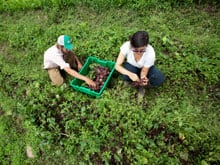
177 123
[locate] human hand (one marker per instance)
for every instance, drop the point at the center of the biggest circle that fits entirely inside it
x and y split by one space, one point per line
90 82
144 81
134 77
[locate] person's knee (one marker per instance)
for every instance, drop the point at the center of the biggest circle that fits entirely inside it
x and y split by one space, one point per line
157 80
132 68
56 77
160 80
125 78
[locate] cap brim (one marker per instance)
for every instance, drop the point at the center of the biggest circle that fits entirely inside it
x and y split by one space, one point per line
69 46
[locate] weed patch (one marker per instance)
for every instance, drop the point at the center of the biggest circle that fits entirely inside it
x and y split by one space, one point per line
177 123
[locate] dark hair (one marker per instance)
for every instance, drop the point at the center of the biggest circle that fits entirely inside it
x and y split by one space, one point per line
139 39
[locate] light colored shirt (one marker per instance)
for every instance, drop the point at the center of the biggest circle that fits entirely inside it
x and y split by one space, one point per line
53 58
147 60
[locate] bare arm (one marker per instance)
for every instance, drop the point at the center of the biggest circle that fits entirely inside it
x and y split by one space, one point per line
78 63
144 72
79 76
120 60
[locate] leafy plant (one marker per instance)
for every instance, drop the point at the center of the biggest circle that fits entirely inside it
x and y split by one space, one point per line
177 123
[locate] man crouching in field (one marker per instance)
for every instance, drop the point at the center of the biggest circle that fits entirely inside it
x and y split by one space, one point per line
60 57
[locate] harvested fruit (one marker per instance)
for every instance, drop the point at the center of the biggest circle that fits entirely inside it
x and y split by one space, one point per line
98 74
142 82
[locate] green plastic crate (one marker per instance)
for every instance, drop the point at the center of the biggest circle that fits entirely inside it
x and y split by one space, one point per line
76 83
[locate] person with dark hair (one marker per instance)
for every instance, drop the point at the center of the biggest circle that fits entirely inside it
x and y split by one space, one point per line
140 60
59 58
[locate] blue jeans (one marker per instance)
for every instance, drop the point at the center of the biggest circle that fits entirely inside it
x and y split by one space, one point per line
155 76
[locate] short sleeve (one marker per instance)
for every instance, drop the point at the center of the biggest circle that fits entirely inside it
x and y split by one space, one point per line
60 62
125 48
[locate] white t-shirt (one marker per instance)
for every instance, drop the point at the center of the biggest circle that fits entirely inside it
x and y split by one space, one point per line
53 57
147 60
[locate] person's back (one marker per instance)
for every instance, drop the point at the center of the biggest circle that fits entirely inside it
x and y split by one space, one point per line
60 57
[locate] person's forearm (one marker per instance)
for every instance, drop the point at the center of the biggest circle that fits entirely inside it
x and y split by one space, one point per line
75 74
144 72
79 63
